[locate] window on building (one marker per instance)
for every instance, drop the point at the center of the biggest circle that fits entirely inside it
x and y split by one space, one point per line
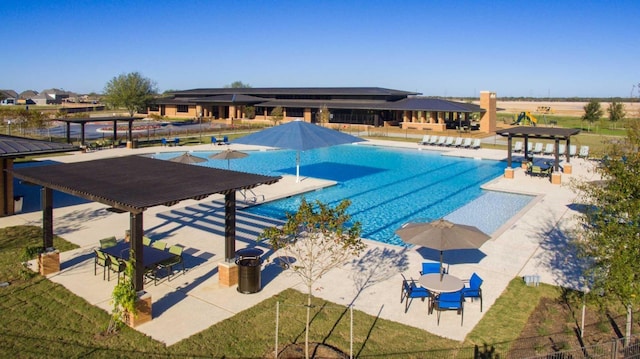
182 108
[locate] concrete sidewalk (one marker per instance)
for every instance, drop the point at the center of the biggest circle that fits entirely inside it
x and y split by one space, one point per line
533 242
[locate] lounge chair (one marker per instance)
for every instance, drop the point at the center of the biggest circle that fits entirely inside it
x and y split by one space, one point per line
472 288
584 152
449 141
425 140
457 142
410 290
573 150
561 149
517 147
467 142
537 149
529 147
433 140
548 150
146 241
442 140
476 144
449 301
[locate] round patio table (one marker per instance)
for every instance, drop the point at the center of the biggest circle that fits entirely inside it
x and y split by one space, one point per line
448 283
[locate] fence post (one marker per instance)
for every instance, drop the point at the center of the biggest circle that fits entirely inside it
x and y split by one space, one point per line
475 352
614 349
277 320
351 333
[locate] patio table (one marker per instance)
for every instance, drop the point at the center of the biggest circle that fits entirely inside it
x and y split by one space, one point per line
448 283
150 256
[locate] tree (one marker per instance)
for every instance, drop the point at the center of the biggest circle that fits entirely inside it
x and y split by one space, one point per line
237 85
131 91
616 112
324 115
592 112
277 114
250 112
315 240
610 226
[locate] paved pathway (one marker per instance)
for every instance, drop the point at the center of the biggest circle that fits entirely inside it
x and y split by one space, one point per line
533 242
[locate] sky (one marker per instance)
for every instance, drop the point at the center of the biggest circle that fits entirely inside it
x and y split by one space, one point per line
437 48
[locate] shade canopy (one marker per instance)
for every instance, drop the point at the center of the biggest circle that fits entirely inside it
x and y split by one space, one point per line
300 136
442 235
228 155
188 158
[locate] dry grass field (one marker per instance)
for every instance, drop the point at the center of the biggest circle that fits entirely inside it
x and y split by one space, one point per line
561 108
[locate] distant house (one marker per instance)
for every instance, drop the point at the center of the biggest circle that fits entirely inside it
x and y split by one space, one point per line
50 97
8 97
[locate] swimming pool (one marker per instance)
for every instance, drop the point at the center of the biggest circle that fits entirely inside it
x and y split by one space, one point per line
388 187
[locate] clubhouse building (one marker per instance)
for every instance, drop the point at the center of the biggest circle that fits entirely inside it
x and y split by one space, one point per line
366 106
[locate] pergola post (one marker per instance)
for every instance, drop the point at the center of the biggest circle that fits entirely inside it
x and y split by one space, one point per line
135 238
49 259
228 270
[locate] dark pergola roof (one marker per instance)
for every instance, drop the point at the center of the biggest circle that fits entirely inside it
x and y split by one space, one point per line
97 119
551 133
14 147
135 183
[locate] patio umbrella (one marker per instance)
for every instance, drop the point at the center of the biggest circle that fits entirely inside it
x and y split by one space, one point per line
228 155
187 158
300 136
442 235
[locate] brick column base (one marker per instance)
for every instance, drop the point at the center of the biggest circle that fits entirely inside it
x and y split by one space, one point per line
556 178
143 307
227 274
49 262
567 169
508 173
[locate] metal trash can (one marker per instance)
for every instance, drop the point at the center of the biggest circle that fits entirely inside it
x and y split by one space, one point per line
249 266
17 204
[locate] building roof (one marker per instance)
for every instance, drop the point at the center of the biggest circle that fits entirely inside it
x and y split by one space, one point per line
538 132
135 183
350 91
408 104
14 147
228 98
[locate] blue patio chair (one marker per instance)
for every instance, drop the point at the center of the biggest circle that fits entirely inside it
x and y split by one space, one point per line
428 268
449 301
214 140
176 141
164 142
472 288
225 140
412 290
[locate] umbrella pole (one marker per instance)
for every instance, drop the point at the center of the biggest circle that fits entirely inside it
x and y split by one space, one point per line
441 272
297 166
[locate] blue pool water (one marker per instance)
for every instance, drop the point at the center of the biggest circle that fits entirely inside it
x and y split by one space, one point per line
387 187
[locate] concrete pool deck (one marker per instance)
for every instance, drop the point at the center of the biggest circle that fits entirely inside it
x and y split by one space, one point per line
534 241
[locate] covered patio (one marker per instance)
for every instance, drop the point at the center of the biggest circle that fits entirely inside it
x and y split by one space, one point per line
548 133
133 184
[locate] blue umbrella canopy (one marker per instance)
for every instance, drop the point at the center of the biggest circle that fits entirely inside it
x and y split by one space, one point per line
300 136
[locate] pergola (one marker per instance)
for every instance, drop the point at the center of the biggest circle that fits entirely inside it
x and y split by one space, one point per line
12 147
549 133
83 121
135 183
